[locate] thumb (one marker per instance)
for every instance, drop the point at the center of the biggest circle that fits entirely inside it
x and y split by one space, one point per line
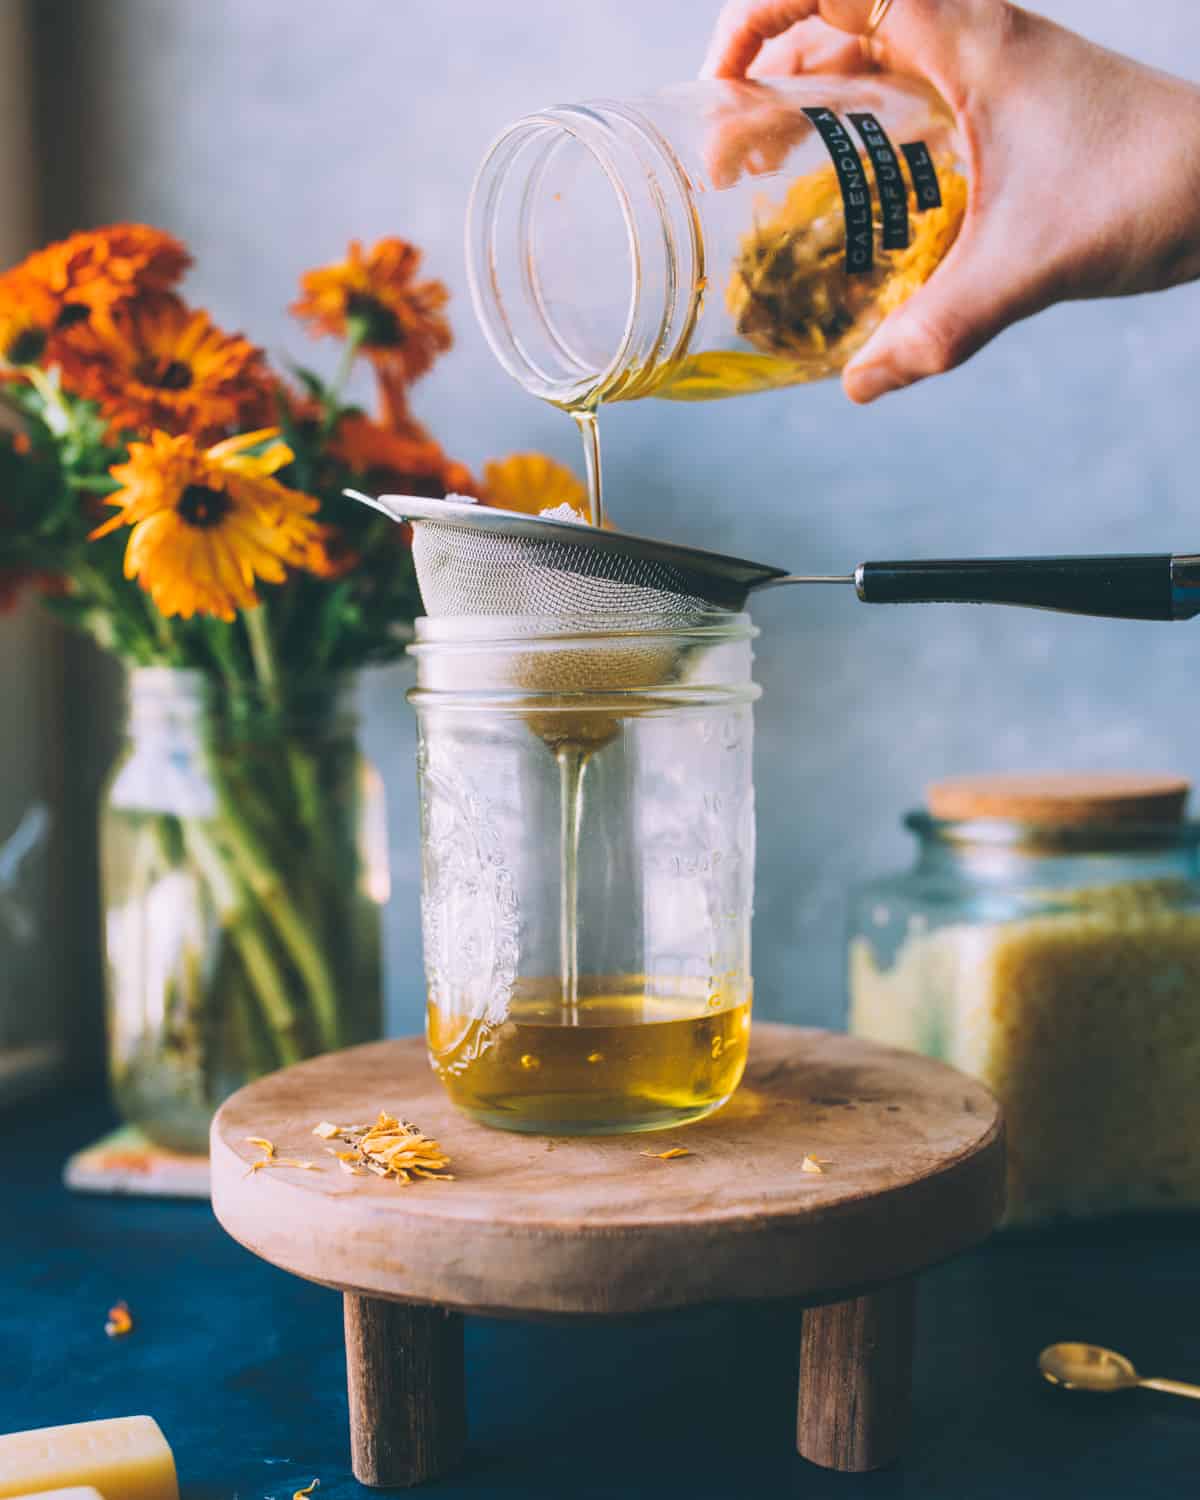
976 293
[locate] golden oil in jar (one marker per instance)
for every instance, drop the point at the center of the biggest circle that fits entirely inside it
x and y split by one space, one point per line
638 1058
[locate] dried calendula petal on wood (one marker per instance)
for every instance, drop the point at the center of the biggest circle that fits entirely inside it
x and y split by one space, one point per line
668 1155
282 1161
263 1145
307 1490
391 1147
812 1164
120 1321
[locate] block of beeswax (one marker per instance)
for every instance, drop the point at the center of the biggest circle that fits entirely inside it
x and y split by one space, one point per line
76 1492
125 1458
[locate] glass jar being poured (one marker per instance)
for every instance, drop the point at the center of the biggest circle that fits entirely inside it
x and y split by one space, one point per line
715 239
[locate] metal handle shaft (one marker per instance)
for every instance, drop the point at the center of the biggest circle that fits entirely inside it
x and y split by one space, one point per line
1152 587
1172 1387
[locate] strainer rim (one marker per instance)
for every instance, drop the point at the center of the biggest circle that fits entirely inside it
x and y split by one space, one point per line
467 514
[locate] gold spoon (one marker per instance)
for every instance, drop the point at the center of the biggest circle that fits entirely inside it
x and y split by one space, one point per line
1088 1367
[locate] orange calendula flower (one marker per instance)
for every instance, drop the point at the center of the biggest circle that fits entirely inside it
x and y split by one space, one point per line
330 555
407 464
28 314
376 294
532 483
158 363
209 523
100 268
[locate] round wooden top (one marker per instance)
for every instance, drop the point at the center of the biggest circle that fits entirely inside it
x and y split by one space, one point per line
1061 799
913 1155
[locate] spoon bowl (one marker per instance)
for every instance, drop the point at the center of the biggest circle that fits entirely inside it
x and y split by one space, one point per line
1087 1367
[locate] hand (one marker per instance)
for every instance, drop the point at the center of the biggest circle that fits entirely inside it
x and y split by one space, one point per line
1085 166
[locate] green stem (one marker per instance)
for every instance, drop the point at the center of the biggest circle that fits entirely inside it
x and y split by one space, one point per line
51 395
162 628
219 638
260 874
237 920
262 649
93 484
262 652
259 870
355 333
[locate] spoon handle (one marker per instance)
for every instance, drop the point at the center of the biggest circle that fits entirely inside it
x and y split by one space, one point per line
1172 1388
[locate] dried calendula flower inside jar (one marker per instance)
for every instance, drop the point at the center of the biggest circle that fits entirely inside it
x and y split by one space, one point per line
1060 963
792 293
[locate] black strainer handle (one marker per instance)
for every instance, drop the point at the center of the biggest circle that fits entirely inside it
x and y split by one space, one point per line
1152 587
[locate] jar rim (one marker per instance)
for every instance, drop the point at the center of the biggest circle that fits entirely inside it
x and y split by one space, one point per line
602 128
1013 834
497 632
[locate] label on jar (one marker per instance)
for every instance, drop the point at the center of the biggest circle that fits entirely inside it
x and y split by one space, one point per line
856 194
893 194
924 175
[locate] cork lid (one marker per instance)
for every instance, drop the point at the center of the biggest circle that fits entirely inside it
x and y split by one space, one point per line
1060 799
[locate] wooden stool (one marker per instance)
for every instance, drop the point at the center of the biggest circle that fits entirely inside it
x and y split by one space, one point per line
547 1227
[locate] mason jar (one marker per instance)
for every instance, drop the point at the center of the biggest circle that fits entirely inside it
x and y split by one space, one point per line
715 238
587 847
1046 939
243 870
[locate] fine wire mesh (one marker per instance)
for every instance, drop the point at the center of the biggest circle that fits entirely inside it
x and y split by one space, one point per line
638 610
469 571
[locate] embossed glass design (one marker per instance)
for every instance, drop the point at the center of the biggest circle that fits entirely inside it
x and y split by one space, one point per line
587 870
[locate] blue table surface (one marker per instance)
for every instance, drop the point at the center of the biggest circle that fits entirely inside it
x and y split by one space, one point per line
243 1368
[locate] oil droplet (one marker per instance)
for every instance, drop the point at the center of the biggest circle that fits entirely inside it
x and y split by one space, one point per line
530 1062
717 1047
595 1057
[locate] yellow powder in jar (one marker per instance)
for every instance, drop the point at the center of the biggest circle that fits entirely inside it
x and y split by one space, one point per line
1084 1021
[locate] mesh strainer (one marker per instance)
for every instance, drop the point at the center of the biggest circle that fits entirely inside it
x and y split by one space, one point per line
473 560
632 618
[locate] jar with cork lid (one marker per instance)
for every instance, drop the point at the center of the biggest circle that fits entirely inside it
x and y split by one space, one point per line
1047 940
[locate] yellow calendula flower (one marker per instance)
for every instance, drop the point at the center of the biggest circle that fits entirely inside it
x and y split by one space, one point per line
207 524
532 483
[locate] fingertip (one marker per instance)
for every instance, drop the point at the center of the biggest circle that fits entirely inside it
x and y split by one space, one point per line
866 383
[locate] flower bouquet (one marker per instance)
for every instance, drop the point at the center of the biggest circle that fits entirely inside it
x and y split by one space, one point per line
171 495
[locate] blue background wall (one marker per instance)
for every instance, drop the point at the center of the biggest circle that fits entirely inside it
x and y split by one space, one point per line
267 132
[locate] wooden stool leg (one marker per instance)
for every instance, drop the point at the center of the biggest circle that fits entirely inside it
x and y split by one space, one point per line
856 1379
408 1410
